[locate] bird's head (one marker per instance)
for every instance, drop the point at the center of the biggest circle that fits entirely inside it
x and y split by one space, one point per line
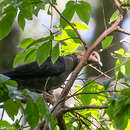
94 57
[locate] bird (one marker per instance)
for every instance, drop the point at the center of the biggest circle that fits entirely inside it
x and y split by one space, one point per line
48 76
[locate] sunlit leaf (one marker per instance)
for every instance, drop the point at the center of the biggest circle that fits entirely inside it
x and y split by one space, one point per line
114 16
120 52
107 41
127 67
78 26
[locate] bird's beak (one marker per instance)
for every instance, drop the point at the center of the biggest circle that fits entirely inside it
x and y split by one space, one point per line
100 63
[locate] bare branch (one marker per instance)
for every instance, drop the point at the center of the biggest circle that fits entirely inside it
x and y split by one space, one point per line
122 30
77 115
105 25
84 107
67 38
87 119
61 123
51 24
100 92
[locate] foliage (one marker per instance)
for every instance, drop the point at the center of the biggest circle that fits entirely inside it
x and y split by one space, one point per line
64 41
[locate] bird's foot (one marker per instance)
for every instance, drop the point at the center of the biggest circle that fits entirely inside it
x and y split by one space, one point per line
49 97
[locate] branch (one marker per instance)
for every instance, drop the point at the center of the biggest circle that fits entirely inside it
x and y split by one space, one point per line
66 20
84 107
76 94
67 38
99 77
125 40
122 31
83 61
77 115
87 119
51 24
118 5
112 28
61 123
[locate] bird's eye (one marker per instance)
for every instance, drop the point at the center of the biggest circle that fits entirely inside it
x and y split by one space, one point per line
93 54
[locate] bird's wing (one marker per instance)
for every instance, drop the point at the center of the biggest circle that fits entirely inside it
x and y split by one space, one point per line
33 70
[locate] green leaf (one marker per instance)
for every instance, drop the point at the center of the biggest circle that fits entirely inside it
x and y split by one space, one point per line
3 93
68 12
26 42
88 99
11 83
30 56
119 110
18 58
82 10
37 9
4 124
114 16
7 21
3 78
107 41
55 53
127 67
80 26
27 11
45 112
34 96
21 20
106 83
40 40
42 107
43 52
120 52
11 108
32 113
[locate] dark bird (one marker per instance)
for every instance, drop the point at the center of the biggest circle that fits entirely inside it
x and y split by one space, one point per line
48 76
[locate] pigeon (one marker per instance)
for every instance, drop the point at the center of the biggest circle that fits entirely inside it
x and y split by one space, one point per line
48 76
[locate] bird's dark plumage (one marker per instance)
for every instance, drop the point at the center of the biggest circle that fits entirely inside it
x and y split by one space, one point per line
48 76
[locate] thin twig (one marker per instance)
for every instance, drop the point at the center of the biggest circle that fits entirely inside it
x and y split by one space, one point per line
2 114
84 107
99 77
51 24
76 94
106 75
122 30
86 119
105 25
67 38
80 120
